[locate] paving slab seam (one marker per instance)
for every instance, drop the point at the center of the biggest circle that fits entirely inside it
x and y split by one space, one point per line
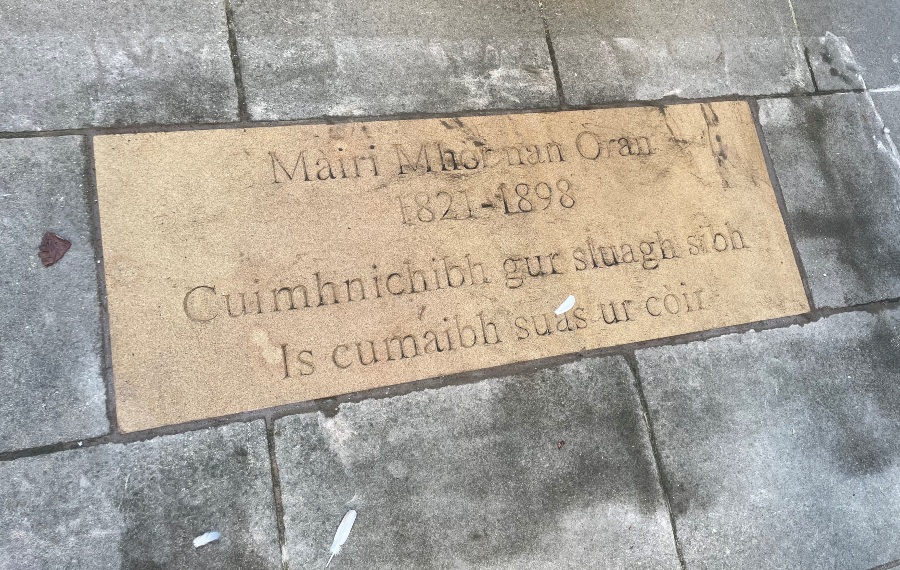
342 119
553 62
97 243
782 206
872 308
134 437
812 74
276 491
329 407
888 566
661 476
243 113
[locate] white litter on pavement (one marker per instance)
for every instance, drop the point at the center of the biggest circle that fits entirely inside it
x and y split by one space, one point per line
566 305
343 531
206 538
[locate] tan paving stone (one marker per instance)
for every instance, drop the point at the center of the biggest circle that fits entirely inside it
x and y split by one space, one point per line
251 268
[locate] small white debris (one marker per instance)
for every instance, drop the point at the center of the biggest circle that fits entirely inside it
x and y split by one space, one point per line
887 131
206 538
343 531
566 305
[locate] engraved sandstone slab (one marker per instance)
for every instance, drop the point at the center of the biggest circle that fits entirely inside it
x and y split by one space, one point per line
252 268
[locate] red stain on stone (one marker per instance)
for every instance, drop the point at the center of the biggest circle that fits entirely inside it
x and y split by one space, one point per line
53 248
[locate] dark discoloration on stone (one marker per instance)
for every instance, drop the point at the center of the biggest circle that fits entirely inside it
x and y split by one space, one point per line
867 27
833 64
782 446
645 50
627 471
139 506
336 57
841 184
102 62
50 367
867 449
475 477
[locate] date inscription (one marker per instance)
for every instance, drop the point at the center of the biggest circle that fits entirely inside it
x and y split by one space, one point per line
507 199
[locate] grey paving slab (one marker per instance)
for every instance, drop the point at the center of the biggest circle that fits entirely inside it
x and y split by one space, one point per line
340 57
833 64
841 180
871 29
545 470
650 49
51 386
139 506
102 62
888 106
782 448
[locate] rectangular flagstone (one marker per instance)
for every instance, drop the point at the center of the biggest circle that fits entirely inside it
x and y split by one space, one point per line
651 49
139 506
340 57
840 175
545 470
252 268
867 32
781 447
81 63
51 381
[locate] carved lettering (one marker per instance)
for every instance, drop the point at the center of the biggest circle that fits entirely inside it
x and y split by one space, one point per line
307 261
319 165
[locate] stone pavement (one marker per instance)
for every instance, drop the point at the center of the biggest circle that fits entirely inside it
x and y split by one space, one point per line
769 445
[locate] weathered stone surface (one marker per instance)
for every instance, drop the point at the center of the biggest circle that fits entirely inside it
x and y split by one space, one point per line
51 387
340 57
782 448
245 272
869 27
545 470
833 64
139 506
888 106
103 62
841 182
647 50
